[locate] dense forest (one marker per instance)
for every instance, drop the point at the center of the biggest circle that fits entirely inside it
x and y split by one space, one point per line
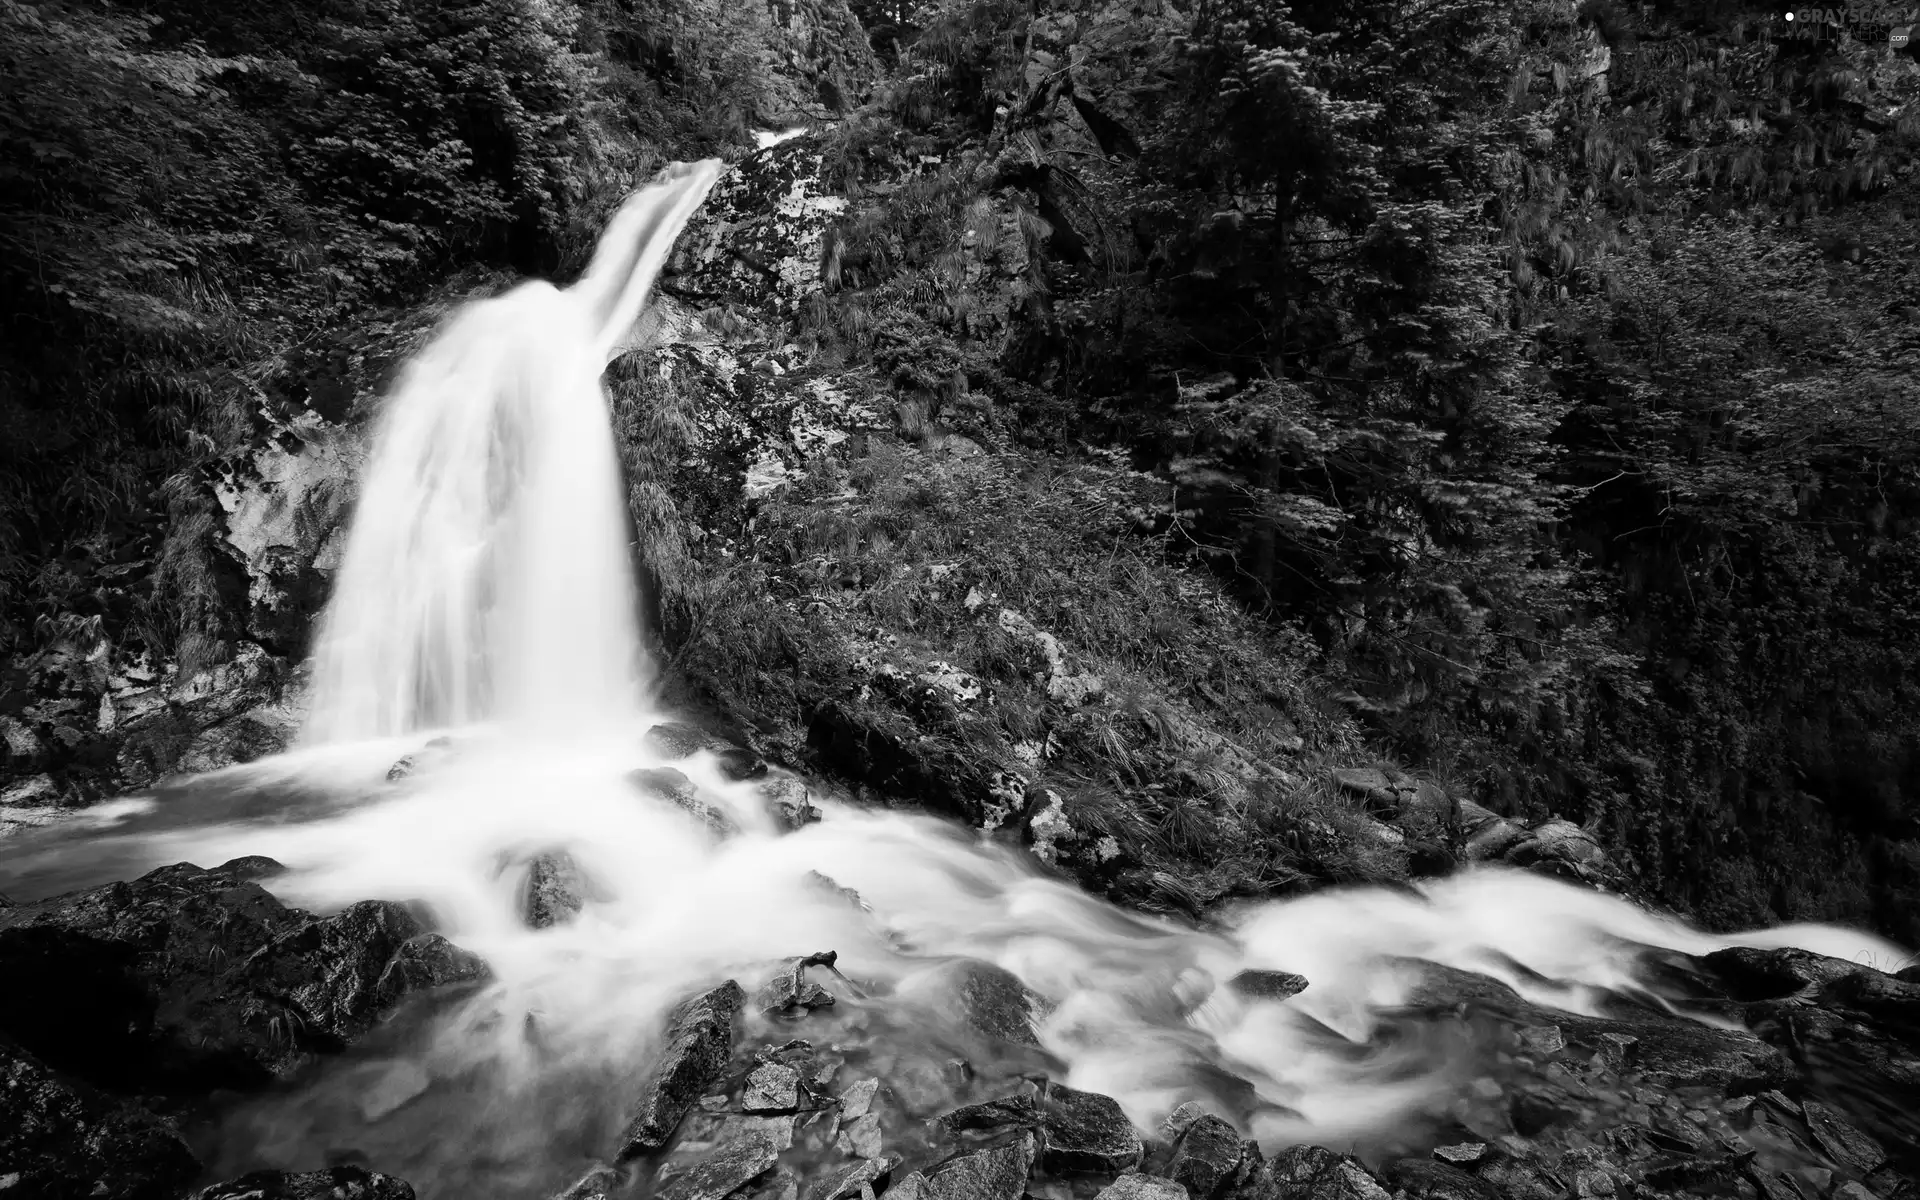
1520 395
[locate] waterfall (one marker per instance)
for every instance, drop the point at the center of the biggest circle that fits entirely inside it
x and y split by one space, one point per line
487 577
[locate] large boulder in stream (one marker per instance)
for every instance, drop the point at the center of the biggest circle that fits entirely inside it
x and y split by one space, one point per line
186 980
699 1043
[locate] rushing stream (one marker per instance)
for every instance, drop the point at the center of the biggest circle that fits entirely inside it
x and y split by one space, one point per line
487 596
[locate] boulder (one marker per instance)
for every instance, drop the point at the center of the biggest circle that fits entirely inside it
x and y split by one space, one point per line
722 1172
1748 974
1085 1133
699 1043
1492 839
847 1182
1381 791
999 1173
989 999
335 1183
1318 1172
1560 843
555 890
1425 1179
674 740
1267 985
1209 1158
62 1140
772 1088
188 979
788 802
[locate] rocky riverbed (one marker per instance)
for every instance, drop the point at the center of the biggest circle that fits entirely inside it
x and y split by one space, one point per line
135 1015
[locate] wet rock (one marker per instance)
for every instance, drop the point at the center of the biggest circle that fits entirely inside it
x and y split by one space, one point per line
772 1088
1267 985
1324 1175
1383 792
187 979
738 764
788 802
1557 842
1462 1154
1493 839
1694 1171
992 1000
1429 812
857 1100
1208 1157
341 975
408 765
999 1173
1085 1132
334 1183
1181 1117
1142 1187
860 1137
248 737
1019 1109
791 991
665 783
845 1183
555 891
1750 975
777 1184
699 1043
722 1172
62 1140
674 740
1425 1179
1843 1143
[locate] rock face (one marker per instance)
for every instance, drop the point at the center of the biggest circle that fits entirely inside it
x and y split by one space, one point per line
188 979
699 1042
61 1140
335 1183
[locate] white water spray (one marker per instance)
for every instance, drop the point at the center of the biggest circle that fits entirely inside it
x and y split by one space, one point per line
487 586
486 575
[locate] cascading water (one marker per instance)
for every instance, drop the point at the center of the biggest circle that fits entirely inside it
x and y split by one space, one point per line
487 590
486 577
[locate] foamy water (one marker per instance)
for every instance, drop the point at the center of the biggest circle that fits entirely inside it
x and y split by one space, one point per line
487 590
